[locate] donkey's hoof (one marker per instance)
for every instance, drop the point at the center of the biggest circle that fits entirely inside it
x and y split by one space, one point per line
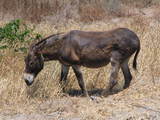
126 86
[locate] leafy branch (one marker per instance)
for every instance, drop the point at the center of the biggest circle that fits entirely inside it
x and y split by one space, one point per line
17 35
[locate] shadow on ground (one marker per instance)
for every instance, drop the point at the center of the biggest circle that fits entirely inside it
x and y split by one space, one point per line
95 92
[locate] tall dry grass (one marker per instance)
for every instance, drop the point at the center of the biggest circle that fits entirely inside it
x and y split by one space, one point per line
14 92
62 10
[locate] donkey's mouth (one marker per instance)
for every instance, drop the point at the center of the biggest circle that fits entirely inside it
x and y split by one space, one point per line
28 83
29 78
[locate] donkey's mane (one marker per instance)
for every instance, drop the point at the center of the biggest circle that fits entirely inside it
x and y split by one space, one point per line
43 40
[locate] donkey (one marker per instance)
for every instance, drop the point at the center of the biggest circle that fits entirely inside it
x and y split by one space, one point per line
81 48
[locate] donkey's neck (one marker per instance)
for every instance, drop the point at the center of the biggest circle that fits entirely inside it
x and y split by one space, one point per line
50 47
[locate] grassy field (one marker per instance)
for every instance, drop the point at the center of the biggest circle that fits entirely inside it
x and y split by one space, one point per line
44 99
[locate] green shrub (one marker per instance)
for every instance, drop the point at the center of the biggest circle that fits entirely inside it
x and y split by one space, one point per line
16 35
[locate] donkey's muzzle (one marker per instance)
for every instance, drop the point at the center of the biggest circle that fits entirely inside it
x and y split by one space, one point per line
29 78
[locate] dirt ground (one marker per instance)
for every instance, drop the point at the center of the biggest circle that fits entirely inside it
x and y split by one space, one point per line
135 103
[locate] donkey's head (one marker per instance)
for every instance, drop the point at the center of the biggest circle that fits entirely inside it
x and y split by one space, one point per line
34 62
33 65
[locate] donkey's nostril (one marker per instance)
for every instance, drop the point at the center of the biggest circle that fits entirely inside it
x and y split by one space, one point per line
28 82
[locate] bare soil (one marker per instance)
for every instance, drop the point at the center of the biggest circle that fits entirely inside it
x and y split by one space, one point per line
135 103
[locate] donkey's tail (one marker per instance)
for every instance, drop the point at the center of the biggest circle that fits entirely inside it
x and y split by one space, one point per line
135 58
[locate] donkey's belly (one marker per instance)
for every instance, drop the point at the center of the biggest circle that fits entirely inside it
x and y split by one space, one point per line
94 60
91 63
95 63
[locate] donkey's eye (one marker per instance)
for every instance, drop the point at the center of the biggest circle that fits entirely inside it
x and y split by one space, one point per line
31 63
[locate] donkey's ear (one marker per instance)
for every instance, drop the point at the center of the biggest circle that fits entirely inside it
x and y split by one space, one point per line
39 46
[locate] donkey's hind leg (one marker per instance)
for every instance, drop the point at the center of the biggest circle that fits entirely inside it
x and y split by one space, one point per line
115 66
79 76
126 73
64 73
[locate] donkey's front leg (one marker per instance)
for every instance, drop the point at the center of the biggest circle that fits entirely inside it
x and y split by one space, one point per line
64 73
79 76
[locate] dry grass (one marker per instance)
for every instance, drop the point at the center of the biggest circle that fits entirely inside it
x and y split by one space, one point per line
16 97
88 13
62 10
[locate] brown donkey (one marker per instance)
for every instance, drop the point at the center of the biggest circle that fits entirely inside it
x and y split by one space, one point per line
89 49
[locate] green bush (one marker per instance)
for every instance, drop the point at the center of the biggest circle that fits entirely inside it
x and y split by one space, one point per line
16 35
